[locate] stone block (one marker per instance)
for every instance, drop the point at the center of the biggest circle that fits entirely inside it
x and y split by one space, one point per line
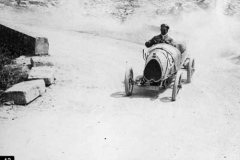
41 46
45 73
40 61
25 92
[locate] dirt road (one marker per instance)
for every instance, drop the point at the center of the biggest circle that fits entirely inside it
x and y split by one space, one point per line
85 115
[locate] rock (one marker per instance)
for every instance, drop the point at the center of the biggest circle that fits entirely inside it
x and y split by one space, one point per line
24 3
24 92
23 60
37 2
53 3
45 73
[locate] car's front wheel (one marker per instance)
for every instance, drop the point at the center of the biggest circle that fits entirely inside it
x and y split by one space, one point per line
177 85
190 70
128 81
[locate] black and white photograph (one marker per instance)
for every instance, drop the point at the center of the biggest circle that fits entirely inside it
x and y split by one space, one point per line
119 80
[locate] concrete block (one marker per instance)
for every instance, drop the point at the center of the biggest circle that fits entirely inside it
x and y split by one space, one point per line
45 73
40 61
25 92
41 46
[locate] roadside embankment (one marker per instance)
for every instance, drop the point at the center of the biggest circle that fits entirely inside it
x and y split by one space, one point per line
17 47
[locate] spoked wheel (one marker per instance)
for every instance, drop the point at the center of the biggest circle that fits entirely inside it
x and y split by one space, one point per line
128 81
190 70
193 66
177 85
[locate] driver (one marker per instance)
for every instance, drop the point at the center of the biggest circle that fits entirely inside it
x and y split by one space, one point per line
161 38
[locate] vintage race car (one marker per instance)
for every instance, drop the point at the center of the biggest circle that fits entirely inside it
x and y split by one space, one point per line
163 64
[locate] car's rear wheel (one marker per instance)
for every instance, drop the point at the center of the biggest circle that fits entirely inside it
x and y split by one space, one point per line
190 70
177 85
128 81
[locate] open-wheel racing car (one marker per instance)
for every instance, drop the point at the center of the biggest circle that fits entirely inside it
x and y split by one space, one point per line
163 64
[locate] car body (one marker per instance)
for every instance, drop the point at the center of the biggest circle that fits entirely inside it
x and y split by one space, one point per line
163 64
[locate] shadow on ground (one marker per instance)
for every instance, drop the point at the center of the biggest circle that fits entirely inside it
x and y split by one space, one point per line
142 92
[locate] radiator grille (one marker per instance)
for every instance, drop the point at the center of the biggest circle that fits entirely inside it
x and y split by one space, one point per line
153 70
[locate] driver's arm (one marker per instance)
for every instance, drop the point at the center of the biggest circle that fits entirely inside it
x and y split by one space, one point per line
151 42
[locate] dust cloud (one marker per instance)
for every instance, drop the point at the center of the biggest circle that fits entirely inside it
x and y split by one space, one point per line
208 33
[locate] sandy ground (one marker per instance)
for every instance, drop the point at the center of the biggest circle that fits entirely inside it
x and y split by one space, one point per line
86 115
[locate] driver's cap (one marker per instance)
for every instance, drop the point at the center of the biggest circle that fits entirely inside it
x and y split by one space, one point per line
164 26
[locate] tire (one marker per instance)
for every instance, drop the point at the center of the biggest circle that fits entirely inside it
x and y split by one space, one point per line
177 85
128 81
193 66
190 70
